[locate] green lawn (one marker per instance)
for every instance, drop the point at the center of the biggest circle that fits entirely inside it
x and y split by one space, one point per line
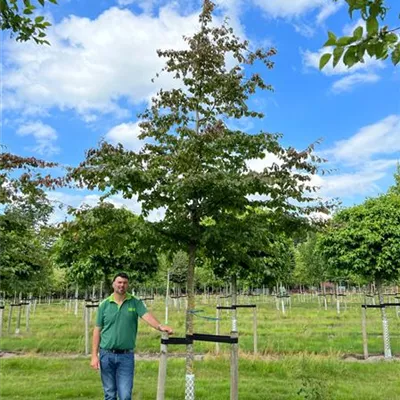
301 350
61 378
305 327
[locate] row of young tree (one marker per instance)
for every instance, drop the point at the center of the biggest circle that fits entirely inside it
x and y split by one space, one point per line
360 245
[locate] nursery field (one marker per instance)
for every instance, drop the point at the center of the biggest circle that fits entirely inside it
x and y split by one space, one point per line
307 352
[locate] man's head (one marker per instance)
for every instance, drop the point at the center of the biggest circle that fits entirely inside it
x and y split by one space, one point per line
120 283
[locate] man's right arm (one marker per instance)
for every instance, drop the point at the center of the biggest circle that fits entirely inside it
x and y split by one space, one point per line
95 363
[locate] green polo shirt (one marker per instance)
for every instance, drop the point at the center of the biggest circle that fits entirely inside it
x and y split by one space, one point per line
119 324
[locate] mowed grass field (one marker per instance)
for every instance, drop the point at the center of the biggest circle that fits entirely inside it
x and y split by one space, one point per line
303 350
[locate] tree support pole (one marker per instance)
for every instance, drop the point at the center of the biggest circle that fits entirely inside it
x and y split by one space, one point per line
234 346
162 368
364 331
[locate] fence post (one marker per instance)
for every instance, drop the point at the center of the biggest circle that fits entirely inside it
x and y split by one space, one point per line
1 319
234 367
76 300
217 324
9 317
27 312
87 316
255 329
17 329
364 331
162 368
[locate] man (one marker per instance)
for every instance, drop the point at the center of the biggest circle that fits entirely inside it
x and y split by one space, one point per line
115 333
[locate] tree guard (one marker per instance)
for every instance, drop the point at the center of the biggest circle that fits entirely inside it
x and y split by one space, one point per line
189 378
385 327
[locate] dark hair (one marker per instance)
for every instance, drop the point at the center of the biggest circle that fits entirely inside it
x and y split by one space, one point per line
121 275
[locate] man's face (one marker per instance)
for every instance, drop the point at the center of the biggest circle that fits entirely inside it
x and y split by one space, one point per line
120 285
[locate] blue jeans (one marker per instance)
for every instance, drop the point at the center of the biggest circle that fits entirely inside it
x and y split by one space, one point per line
117 374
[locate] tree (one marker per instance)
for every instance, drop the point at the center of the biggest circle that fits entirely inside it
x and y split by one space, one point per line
311 268
103 240
178 270
24 256
375 39
16 17
193 165
253 246
364 240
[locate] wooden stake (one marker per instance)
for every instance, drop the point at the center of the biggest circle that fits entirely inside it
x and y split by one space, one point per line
364 332
162 368
255 329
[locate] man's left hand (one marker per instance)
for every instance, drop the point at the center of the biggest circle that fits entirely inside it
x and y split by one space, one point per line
165 328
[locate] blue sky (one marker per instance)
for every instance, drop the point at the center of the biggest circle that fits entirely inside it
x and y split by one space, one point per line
60 100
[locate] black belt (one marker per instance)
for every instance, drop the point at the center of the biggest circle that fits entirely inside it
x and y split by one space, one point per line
118 351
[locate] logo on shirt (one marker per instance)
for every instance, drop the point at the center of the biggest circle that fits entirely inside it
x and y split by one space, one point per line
131 309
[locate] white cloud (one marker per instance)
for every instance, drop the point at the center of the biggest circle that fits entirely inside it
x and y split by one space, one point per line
380 138
89 66
288 8
92 200
364 153
44 136
360 183
146 5
347 83
127 135
327 10
304 30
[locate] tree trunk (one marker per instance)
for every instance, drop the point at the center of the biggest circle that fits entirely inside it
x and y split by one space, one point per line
189 382
385 326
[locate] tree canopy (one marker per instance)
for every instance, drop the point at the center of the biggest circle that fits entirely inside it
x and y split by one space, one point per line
364 240
103 240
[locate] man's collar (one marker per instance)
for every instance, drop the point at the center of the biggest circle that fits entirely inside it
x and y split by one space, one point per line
128 296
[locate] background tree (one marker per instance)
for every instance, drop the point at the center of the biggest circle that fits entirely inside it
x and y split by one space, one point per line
178 270
374 38
193 164
16 16
103 240
364 240
251 247
24 238
311 268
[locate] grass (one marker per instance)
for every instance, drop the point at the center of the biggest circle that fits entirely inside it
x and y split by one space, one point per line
300 351
305 327
71 378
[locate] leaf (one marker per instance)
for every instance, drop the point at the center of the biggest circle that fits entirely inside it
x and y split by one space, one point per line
371 50
39 19
358 33
396 55
331 40
337 54
345 40
391 38
380 50
350 57
372 26
324 60
41 2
